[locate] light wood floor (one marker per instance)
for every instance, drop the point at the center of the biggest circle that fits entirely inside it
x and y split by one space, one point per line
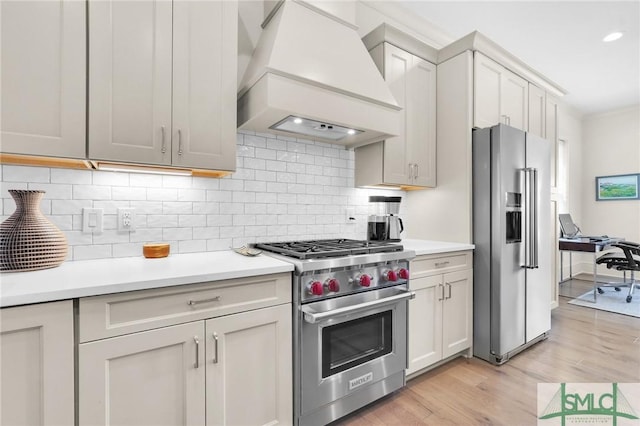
585 345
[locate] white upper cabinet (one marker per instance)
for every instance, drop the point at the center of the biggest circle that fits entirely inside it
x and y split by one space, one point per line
552 133
500 95
408 159
537 104
43 78
162 79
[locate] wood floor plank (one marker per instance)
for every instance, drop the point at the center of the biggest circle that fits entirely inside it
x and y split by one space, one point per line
585 345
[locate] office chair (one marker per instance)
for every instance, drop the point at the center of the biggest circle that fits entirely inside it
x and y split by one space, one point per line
628 260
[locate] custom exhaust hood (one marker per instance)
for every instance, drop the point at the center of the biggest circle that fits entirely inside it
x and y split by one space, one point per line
311 77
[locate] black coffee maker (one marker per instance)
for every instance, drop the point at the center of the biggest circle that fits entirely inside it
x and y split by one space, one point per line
384 224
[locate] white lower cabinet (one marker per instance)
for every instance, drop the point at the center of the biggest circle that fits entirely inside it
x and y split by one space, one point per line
249 368
441 315
222 368
36 364
144 378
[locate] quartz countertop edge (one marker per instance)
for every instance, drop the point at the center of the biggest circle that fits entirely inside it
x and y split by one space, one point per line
83 278
422 247
95 277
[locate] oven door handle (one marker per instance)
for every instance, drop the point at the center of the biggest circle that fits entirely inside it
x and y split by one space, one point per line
313 317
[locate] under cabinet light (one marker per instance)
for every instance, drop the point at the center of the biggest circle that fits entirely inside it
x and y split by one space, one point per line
116 167
613 36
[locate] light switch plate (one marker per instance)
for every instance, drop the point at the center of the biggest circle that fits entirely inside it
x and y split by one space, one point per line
92 220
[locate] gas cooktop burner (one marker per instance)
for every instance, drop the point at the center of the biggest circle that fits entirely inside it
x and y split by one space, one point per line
315 249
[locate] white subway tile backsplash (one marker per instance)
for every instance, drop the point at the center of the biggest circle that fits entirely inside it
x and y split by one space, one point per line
96 251
145 181
192 246
147 207
192 220
25 174
177 207
91 192
110 178
162 194
177 234
77 177
284 188
206 208
192 194
162 221
127 193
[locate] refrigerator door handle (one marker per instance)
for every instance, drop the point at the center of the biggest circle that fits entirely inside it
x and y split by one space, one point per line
531 217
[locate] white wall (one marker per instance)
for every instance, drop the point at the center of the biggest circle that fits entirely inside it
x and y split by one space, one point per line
611 146
283 189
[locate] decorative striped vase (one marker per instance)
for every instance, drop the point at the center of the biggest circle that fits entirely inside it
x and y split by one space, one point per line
28 240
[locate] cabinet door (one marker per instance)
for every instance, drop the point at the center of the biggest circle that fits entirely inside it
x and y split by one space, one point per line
457 312
397 65
515 100
36 364
552 134
204 84
130 46
487 92
249 370
537 103
43 77
421 122
425 323
146 378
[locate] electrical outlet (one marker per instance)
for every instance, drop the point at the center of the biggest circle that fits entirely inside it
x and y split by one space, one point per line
126 219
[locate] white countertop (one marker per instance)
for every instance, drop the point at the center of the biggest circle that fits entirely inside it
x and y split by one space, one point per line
93 277
433 247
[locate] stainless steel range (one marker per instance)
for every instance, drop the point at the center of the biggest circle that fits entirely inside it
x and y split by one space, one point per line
350 323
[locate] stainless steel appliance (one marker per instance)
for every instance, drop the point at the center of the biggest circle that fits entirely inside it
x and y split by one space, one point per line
349 322
384 224
511 228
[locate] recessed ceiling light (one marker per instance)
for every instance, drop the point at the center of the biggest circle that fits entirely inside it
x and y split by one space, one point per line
613 36
351 132
297 120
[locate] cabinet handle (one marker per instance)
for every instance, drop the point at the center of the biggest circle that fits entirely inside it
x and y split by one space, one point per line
439 264
410 170
196 302
215 348
179 142
164 140
417 170
197 364
441 287
449 288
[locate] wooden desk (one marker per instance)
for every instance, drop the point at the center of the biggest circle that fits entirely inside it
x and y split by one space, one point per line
584 245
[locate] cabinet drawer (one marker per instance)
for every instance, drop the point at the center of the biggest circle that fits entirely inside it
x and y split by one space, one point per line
118 314
439 263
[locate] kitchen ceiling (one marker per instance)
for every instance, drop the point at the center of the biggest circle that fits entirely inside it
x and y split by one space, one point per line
560 39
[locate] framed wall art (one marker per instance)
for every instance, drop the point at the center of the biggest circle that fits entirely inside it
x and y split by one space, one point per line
618 187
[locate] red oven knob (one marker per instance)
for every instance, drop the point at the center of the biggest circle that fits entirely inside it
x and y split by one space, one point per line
403 273
315 288
332 284
390 275
364 280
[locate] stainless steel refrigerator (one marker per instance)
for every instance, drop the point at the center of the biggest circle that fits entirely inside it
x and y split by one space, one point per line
511 229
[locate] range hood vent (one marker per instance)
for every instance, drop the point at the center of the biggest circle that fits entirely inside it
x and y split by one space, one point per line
311 75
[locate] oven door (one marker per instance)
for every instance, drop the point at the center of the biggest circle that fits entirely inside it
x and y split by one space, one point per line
351 342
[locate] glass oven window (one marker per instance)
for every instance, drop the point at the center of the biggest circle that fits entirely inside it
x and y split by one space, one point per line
356 342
